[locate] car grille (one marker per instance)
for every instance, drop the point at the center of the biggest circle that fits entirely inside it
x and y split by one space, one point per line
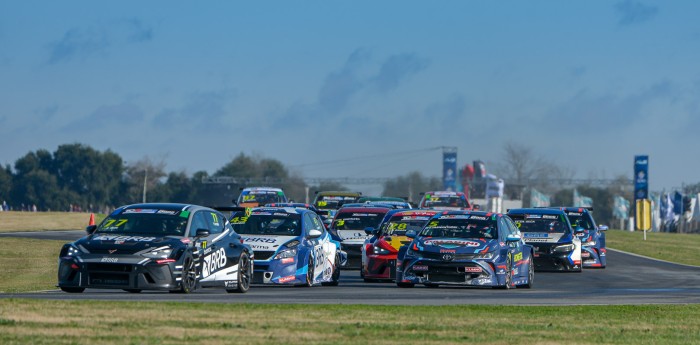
109 267
438 256
109 279
263 254
449 278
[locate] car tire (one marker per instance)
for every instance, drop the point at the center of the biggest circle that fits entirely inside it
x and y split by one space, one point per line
72 289
244 275
530 275
132 290
336 273
310 272
509 274
188 283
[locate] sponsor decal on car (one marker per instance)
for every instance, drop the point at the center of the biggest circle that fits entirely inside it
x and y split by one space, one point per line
122 238
452 242
420 267
286 279
472 269
109 260
213 262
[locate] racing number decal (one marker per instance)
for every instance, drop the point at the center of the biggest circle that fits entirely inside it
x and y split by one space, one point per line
340 222
118 224
239 220
322 203
433 224
518 257
213 262
248 197
394 226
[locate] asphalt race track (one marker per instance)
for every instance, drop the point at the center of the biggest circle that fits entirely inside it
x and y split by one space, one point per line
628 279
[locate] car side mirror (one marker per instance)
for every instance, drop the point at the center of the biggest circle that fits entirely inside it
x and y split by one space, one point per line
90 229
315 233
476 207
369 230
602 227
513 238
202 233
411 233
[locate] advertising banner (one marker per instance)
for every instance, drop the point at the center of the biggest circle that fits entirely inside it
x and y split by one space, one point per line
641 177
449 170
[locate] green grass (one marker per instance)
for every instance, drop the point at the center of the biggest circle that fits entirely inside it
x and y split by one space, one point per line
28 265
680 248
25 321
41 221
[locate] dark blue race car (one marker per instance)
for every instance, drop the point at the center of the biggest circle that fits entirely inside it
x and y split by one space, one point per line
557 248
466 248
593 251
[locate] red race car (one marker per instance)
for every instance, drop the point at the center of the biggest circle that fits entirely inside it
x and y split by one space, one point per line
379 251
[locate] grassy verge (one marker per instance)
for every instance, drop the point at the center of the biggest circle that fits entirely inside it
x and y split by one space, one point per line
40 221
28 265
681 248
88 322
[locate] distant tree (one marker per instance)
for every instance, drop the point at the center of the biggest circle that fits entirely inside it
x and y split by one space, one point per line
411 186
522 166
5 184
148 171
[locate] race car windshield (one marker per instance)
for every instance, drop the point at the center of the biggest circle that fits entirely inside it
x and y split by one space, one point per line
481 227
580 221
541 223
144 223
398 227
280 224
448 201
356 221
261 198
334 202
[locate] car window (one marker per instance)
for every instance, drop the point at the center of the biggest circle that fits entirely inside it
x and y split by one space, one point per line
199 221
215 222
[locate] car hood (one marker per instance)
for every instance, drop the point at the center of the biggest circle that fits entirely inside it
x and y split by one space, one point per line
127 244
266 242
455 245
546 237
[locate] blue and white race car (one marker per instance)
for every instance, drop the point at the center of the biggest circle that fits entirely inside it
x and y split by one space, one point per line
290 245
593 251
468 248
557 247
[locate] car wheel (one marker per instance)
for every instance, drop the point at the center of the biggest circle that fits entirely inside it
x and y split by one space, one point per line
72 289
189 275
310 272
509 275
336 273
530 275
244 275
405 285
132 290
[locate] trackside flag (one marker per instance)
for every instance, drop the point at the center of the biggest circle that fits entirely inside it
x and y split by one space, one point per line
621 208
538 199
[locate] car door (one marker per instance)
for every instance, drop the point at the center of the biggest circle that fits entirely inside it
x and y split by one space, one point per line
516 248
214 257
323 254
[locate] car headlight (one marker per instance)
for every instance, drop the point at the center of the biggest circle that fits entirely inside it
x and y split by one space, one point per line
70 250
159 253
288 253
589 243
488 255
564 248
380 251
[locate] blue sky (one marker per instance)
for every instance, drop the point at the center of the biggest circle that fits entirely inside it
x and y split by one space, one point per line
588 84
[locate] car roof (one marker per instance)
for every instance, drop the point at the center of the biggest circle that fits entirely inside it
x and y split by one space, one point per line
444 192
575 209
363 209
535 211
289 210
262 189
338 193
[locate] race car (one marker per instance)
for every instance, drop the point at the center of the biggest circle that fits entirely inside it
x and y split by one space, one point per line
349 226
445 200
467 248
259 196
175 247
291 246
379 251
333 200
593 251
557 247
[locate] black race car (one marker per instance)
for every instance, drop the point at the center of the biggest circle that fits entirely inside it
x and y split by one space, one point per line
175 247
